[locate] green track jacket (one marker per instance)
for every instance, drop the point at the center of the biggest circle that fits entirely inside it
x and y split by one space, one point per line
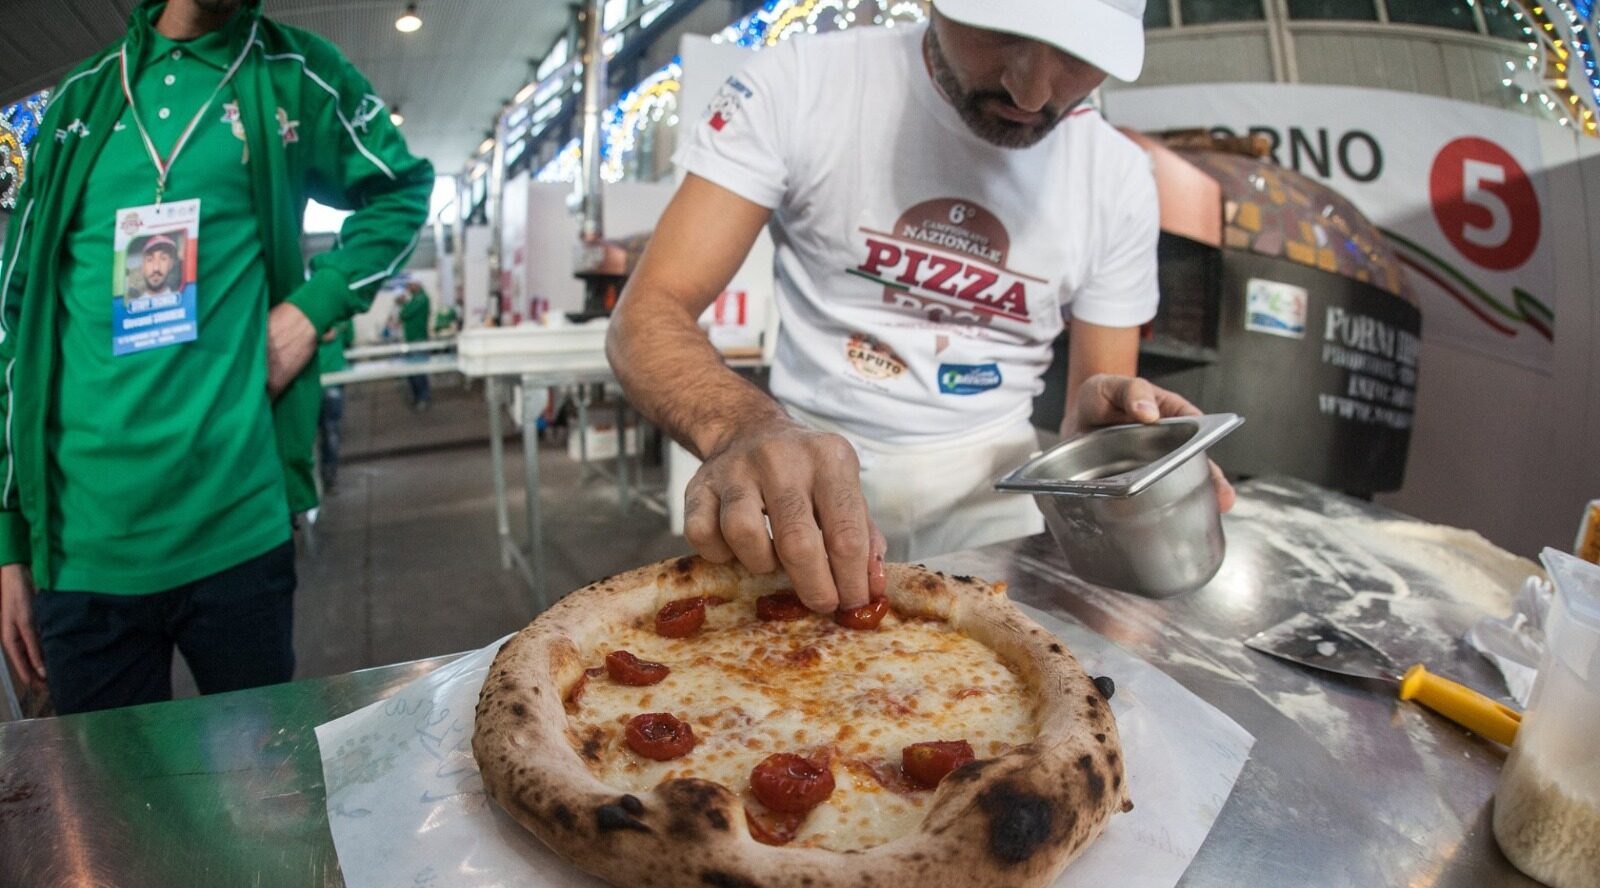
348 156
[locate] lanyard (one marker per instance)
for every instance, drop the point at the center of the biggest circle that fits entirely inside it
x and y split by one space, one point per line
163 167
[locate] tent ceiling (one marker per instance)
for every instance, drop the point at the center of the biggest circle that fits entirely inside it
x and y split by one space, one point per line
448 78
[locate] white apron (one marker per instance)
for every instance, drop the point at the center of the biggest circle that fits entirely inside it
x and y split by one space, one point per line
933 499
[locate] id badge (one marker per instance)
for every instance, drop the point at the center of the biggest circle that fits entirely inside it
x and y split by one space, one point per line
153 300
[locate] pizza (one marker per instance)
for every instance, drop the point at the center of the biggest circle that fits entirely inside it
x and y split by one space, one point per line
689 723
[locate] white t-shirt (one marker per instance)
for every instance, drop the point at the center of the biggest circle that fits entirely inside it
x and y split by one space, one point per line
922 272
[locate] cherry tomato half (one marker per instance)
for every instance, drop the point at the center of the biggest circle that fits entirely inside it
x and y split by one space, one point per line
928 763
625 668
681 618
658 736
867 616
780 606
790 783
771 827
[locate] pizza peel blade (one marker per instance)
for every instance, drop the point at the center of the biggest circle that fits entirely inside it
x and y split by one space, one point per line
1318 643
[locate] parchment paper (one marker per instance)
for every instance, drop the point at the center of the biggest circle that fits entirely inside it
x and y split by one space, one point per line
407 807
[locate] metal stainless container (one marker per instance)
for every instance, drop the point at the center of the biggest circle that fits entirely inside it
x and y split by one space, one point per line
1132 507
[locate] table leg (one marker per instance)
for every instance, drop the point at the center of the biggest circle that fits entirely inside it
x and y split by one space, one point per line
583 433
624 493
530 469
13 705
497 460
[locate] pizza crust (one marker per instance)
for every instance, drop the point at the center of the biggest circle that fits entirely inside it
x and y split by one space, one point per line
1014 820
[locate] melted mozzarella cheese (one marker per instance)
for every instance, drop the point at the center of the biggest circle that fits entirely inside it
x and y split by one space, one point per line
752 688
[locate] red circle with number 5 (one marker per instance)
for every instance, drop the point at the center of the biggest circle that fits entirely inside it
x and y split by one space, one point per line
1484 203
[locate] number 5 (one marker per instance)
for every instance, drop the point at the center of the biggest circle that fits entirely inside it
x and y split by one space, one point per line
1474 173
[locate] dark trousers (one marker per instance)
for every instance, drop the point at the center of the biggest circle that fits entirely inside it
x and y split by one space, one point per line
328 428
420 390
234 629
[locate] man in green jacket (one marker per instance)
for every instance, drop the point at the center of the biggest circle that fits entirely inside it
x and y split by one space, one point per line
156 445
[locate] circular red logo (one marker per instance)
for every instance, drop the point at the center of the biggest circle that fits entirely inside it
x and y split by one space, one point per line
1484 203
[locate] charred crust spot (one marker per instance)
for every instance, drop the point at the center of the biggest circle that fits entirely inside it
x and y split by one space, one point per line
1116 782
631 804
1099 738
592 742
929 583
1020 821
1095 783
969 771
961 578
1105 686
720 879
1092 700
1111 759
614 817
518 710
564 817
684 564
1056 648
690 800
693 793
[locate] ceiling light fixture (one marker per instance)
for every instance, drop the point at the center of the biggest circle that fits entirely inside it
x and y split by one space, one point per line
409 21
395 117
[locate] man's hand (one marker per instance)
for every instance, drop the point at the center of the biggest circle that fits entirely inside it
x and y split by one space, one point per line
17 637
1105 400
291 343
808 485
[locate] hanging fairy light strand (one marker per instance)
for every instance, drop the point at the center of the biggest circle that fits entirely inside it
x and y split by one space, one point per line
1560 73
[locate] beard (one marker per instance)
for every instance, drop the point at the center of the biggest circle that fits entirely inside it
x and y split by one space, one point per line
971 105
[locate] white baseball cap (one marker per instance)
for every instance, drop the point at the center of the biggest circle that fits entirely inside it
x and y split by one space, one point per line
1108 34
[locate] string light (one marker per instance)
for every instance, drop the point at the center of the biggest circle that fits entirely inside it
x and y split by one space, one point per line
1562 40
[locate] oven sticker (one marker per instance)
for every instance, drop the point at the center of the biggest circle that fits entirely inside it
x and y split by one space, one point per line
1275 308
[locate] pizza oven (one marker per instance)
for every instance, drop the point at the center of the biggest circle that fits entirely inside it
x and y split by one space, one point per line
1283 303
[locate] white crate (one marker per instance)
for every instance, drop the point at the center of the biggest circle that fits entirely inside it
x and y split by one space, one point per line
602 440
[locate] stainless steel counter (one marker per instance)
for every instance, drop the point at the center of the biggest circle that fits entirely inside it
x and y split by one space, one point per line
1345 785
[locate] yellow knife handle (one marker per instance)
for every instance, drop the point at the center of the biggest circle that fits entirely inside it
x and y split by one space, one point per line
1461 704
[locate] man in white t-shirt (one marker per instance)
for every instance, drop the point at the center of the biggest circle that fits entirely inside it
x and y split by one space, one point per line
941 198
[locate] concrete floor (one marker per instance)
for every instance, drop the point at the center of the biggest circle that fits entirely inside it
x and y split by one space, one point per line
403 563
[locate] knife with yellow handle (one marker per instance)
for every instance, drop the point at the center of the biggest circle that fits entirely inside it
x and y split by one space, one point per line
1314 641
1461 704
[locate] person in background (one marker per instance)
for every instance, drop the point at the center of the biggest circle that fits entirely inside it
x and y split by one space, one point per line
331 359
152 463
447 322
415 309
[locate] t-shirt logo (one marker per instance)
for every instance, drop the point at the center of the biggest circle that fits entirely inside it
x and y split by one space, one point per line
945 259
873 359
968 379
727 103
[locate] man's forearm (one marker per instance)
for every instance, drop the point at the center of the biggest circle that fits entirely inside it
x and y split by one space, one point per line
1093 350
673 375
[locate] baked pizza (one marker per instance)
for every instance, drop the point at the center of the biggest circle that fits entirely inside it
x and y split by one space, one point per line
690 723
